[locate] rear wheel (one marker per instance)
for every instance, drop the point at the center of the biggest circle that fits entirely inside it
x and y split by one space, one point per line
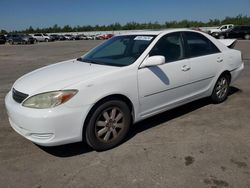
221 89
108 125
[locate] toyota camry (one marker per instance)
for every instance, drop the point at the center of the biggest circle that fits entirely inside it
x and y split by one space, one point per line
97 97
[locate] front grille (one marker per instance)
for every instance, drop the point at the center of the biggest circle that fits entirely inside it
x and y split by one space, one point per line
18 96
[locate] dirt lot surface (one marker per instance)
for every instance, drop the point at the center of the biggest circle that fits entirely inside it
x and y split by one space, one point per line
196 145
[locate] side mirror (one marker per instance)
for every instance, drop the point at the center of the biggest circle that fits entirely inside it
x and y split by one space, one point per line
153 61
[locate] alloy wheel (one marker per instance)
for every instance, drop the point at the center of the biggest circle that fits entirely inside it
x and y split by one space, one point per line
221 88
109 124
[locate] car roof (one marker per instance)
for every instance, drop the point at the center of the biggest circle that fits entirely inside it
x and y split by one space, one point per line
155 32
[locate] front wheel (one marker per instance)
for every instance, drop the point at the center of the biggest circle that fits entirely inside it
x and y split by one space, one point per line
221 89
108 125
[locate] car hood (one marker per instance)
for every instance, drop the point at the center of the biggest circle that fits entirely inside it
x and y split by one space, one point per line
59 76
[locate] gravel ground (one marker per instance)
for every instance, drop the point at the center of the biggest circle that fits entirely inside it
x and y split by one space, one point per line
196 145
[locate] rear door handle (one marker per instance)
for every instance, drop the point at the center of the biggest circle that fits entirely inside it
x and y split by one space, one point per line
219 59
185 68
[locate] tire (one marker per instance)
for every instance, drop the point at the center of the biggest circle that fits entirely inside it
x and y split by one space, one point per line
247 37
108 125
46 40
221 89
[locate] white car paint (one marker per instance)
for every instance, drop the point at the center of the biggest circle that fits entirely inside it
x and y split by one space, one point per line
151 90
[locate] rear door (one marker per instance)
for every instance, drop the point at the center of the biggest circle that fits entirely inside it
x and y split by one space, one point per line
206 61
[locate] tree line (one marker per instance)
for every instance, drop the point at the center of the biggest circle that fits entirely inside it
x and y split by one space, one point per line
238 20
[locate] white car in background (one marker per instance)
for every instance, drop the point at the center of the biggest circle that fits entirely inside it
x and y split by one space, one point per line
217 31
97 97
42 37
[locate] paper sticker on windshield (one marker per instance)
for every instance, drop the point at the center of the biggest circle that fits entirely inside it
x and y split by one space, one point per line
147 38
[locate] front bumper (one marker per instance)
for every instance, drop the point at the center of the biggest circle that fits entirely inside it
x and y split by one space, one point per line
47 127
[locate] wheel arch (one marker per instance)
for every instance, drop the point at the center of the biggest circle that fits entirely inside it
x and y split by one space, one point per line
227 72
105 99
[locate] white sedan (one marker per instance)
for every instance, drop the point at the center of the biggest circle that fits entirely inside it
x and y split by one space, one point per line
97 97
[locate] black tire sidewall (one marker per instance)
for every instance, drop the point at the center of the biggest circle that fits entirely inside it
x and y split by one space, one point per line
90 135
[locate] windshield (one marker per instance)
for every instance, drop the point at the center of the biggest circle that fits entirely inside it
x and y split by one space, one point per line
119 51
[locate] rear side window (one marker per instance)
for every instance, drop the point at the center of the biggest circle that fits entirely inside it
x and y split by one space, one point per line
199 45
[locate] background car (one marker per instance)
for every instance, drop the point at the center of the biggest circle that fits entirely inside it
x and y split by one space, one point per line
217 31
104 37
241 32
2 39
69 37
42 37
58 37
80 37
20 39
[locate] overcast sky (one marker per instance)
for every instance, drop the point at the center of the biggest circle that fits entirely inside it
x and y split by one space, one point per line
20 14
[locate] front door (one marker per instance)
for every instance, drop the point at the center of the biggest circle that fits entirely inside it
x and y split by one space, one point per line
165 85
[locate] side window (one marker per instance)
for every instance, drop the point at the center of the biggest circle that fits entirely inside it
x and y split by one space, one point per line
170 46
224 27
199 45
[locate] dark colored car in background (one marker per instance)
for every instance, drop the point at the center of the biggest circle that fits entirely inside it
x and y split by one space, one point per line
80 37
57 37
2 39
242 32
20 39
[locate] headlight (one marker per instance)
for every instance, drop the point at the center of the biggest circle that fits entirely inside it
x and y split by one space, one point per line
49 99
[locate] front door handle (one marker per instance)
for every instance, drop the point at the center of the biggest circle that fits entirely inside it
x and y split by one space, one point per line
185 68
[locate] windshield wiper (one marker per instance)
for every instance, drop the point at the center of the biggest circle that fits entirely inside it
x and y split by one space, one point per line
88 61
98 62
79 59
85 60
